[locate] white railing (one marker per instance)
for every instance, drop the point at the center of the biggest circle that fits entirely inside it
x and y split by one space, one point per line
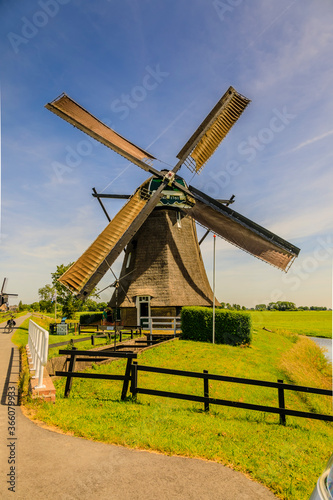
37 349
161 323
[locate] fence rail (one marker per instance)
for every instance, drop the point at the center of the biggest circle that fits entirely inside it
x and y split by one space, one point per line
110 334
93 328
76 355
207 400
37 349
161 323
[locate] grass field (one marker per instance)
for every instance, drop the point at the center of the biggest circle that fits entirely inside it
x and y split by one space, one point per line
311 323
287 459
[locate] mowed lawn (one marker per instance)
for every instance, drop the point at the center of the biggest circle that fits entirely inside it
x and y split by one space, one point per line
287 459
310 323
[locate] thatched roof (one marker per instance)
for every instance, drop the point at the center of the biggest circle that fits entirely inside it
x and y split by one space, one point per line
164 261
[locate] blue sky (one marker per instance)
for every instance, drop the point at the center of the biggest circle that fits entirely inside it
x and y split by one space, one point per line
153 70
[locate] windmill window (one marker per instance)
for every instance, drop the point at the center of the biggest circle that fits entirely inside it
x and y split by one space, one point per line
179 219
144 298
128 260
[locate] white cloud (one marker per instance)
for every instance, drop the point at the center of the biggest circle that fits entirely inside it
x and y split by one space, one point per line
311 141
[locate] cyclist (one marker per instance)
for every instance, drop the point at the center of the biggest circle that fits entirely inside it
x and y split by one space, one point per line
10 322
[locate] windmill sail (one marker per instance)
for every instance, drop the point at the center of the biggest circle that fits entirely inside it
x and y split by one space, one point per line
82 277
89 269
242 232
208 136
4 285
75 114
79 273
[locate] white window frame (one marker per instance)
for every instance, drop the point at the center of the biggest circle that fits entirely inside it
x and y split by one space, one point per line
139 300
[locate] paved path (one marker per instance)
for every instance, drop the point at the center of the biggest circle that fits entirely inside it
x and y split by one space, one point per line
52 466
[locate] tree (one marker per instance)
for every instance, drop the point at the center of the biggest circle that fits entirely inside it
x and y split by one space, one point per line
46 292
261 307
62 292
286 306
46 306
64 297
282 306
70 304
22 307
102 306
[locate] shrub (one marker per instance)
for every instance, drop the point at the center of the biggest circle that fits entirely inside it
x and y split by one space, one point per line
86 318
231 327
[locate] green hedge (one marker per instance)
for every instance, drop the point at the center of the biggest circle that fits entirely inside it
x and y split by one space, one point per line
231 327
86 318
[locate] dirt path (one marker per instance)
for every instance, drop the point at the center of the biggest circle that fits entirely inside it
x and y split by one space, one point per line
52 466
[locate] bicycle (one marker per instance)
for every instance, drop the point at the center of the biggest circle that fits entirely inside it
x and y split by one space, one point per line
9 326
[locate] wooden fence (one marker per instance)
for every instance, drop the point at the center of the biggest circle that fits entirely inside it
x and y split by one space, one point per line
131 332
95 356
207 400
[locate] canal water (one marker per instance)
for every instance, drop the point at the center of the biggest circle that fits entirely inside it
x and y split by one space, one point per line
326 344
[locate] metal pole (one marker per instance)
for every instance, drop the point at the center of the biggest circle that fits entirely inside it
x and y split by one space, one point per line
115 317
214 255
55 308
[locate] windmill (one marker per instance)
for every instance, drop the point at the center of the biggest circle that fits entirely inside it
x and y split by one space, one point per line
4 296
156 226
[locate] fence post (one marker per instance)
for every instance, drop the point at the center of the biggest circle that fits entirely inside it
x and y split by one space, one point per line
206 390
71 368
126 379
134 379
281 403
150 326
174 326
92 340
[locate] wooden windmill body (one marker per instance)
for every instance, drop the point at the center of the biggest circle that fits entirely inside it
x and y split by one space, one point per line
163 267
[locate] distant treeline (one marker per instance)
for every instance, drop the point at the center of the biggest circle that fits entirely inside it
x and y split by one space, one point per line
287 306
272 306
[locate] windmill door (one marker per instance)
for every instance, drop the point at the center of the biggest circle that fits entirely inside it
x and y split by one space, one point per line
143 310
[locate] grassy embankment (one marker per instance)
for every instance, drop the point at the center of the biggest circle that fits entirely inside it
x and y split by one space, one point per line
286 459
310 323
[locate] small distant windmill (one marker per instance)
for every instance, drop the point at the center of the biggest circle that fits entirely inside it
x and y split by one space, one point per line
157 224
4 295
